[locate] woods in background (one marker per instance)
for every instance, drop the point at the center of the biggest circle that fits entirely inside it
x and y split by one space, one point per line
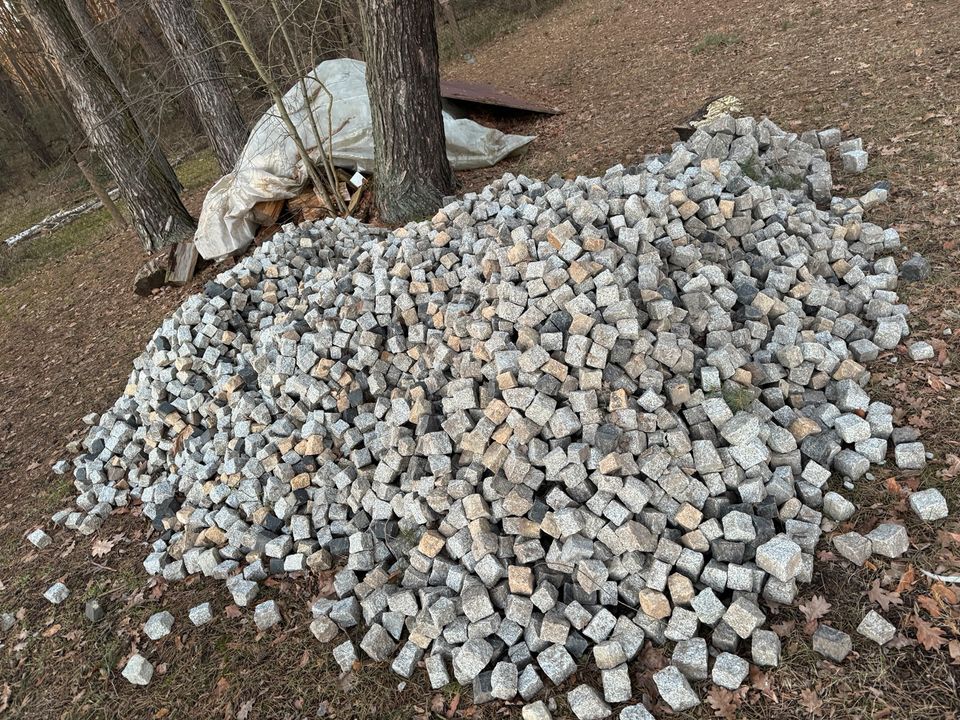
121 86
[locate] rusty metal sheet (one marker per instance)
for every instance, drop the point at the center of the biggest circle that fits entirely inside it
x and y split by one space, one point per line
488 95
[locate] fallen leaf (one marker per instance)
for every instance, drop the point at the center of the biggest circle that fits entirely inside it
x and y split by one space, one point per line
929 636
232 611
5 696
52 630
437 704
102 546
953 467
783 629
814 609
930 605
883 598
454 704
760 681
908 578
725 703
244 712
953 647
221 687
943 594
810 701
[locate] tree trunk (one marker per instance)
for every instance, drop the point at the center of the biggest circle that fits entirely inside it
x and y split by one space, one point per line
411 171
158 215
192 48
19 122
155 53
100 46
99 190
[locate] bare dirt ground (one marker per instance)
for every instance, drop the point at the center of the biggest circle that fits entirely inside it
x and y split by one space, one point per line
624 72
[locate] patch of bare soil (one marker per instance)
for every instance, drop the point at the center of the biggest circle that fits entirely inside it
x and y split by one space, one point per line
624 72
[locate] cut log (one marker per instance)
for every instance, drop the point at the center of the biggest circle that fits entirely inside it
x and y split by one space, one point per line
306 199
267 211
184 263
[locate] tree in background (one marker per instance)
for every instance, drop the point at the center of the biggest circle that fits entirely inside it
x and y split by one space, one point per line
17 121
102 48
158 215
154 61
411 171
192 48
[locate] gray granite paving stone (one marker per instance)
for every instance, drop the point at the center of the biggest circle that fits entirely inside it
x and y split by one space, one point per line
138 670
675 690
587 704
929 504
831 643
877 628
506 428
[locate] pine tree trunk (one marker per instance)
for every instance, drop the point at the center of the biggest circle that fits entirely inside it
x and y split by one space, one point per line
411 171
102 48
19 122
197 59
158 215
99 190
155 54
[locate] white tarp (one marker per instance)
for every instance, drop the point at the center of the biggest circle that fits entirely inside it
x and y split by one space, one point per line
269 167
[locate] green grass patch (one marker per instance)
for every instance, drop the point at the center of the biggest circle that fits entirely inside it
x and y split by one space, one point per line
29 203
199 170
753 168
737 397
784 181
27 255
714 41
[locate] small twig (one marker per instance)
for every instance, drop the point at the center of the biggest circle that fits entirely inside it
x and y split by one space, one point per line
941 578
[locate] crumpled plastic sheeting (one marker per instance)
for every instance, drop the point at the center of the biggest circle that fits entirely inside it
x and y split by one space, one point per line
269 167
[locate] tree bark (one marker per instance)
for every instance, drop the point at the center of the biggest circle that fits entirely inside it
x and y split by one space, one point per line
102 49
411 171
18 119
193 50
100 191
155 55
158 215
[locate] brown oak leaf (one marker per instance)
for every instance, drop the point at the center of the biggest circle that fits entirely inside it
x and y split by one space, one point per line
929 636
725 703
814 609
953 647
908 578
883 598
810 701
930 605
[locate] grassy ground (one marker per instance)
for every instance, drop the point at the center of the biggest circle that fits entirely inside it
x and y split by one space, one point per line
624 72
195 173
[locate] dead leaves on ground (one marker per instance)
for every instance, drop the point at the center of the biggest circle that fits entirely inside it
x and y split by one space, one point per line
883 598
810 701
103 546
814 609
929 636
440 709
935 614
725 703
